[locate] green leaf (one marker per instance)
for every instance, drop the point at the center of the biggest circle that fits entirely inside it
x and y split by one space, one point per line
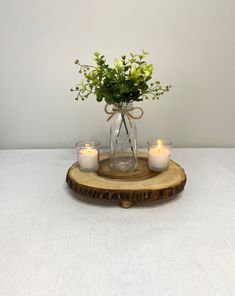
126 81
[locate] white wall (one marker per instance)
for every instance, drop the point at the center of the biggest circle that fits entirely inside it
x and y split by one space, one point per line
192 45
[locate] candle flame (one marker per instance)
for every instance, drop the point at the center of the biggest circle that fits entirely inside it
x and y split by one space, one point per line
88 147
159 144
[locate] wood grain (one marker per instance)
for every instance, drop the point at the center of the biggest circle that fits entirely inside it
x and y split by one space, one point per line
158 187
142 172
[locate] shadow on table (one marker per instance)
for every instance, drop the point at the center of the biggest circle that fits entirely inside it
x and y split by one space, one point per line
113 203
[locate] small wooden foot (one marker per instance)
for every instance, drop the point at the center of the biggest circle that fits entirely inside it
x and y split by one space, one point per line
126 204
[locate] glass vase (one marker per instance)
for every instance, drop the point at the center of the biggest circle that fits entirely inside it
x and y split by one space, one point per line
123 139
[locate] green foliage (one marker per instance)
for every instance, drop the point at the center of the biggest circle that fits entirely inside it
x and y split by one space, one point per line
126 82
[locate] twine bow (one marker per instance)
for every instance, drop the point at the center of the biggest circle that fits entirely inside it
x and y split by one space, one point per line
125 111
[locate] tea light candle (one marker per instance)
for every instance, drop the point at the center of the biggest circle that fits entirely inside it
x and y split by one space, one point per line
88 157
158 156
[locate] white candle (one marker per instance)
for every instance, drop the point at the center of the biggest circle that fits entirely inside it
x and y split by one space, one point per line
158 157
88 159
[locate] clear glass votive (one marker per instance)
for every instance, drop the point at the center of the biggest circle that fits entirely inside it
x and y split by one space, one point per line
88 155
159 155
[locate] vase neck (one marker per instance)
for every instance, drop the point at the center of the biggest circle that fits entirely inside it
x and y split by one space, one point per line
127 106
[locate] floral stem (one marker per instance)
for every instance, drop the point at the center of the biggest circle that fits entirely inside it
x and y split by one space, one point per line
124 121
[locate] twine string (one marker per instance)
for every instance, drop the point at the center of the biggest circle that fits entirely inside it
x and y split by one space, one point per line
124 111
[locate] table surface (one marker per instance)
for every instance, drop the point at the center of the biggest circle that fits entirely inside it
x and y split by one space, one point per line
54 244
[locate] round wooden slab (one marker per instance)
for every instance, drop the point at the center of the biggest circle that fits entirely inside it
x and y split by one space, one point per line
158 187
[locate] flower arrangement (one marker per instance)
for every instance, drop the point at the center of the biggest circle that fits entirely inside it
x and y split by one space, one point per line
126 82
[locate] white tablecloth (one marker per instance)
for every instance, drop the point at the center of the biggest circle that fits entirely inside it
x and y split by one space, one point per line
53 244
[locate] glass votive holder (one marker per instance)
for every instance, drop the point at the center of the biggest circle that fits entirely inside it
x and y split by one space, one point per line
88 155
158 155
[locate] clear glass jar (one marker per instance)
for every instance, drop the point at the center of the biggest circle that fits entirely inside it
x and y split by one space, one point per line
123 139
159 155
88 155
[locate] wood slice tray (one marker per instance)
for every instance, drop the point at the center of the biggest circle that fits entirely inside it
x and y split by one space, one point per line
139 185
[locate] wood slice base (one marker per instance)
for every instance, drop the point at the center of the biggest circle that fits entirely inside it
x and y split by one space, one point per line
159 186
